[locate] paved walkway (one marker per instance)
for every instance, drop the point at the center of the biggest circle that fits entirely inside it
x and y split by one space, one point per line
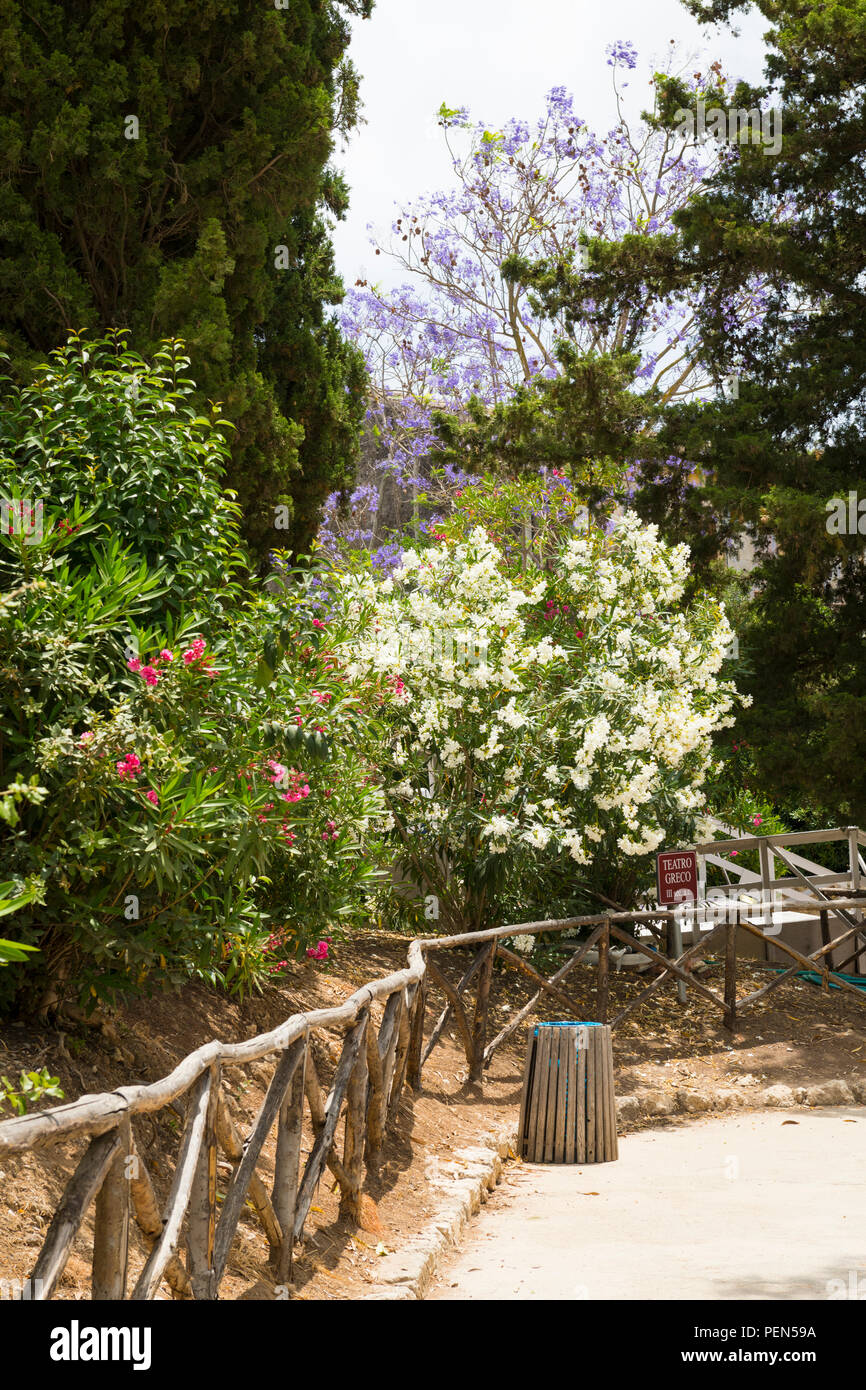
746 1206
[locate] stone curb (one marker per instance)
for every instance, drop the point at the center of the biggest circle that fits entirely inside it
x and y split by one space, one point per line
475 1171
663 1105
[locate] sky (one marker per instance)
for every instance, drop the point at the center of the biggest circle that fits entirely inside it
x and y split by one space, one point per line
499 58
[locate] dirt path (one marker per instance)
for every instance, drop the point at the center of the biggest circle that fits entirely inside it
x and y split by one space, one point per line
756 1206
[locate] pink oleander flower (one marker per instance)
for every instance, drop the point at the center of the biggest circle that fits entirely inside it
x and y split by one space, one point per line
195 652
149 676
317 622
128 768
134 665
319 951
87 737
166 655
153 797
279 772
757 820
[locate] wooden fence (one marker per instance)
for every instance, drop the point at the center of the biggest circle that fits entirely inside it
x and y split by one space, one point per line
373 1067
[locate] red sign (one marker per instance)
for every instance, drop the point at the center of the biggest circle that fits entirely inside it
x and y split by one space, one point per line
677 874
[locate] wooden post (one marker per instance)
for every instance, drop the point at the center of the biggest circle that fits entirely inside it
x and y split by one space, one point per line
201 1221
111 1225
767 872
389 1039
853 858
731 975
149 1219
381 1068
401 1060
825 935
319 1116
416 1046
353 1147
66 1222
232 1146
287 1166
321 1150
603 974
479 1028
290 1062
179 1194
376 1103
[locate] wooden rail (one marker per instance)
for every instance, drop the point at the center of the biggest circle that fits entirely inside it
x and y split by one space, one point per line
372 1070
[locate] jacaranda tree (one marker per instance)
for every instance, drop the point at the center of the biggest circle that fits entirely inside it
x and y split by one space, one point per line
488 355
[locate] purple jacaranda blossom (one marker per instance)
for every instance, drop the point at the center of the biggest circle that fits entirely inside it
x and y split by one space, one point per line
455 329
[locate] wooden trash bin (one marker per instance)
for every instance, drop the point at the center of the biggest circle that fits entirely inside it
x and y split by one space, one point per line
568 1110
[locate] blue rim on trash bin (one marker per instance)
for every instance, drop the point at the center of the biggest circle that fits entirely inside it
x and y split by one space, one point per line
569 1023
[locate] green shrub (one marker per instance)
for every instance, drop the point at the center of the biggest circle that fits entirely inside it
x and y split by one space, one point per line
146 700
110 445
32 1086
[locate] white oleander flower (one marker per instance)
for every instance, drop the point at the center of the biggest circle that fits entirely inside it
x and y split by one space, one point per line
523 944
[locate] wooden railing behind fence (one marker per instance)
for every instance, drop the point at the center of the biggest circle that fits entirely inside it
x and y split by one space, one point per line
373 1068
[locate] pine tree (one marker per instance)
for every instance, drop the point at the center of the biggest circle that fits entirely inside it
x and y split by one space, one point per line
780 457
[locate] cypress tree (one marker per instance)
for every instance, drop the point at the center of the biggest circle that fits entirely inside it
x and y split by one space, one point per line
165 169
